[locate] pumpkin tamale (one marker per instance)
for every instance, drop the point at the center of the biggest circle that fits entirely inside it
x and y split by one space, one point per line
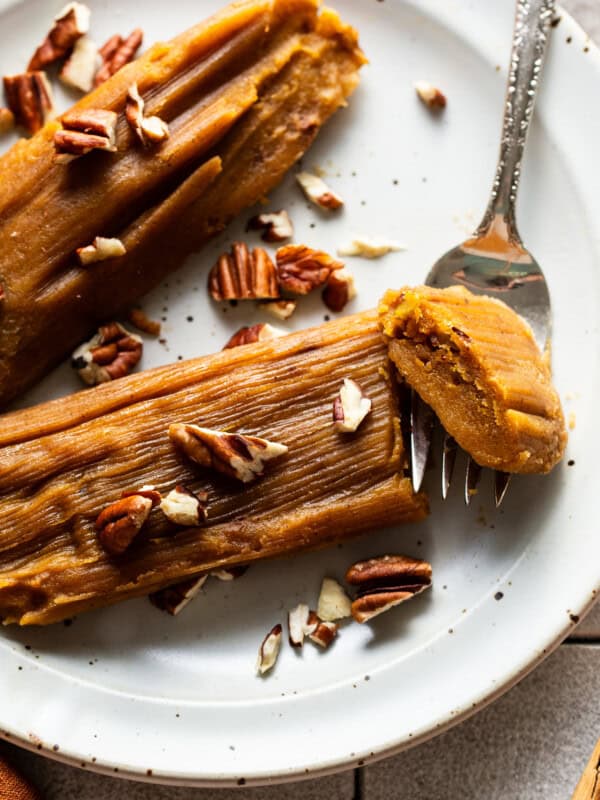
63 462
244 95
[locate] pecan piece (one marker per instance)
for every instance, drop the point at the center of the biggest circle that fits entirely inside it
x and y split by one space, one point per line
149 492
261 332
149 130
7 120
29 97
101 249
79 70
232 454
282 309
183 507
243 275
269 650
175 598
333 603
324 632
300 269
340 289
229 573
120 522
117 52
298 624
370 247
430 95
85 130
276 227
385 582
142 322
317 191
112 353
350 407
69 26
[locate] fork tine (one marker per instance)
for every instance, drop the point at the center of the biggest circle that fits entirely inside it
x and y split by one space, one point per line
421 426
472 479
448 461
501 481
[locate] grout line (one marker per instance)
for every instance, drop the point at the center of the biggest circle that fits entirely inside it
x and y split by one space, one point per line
358 784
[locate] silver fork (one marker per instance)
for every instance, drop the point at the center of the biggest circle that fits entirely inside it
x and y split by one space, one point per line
494 260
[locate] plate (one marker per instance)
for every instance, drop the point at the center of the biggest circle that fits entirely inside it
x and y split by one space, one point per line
131 691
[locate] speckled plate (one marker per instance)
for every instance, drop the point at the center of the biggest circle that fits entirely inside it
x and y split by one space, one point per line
132 691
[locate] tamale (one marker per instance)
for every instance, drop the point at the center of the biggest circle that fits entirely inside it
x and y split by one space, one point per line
244 95
63 462
476 363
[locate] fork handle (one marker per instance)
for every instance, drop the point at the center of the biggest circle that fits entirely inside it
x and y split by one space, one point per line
530 39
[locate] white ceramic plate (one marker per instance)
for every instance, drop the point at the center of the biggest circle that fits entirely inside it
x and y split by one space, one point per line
134 691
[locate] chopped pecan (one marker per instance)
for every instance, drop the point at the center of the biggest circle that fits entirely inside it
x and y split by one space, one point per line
143 323
324 633
29 97
370 247
241 275
333 602
298 624
229 573
232 454
85 130
350 407
79 70
430 95
183 507
149 130
261 332
112 353
276 227
150 492
120 522
7 120
69 26
318 192
339 290
282 309
385 582
101 249
269 650
300 269
175 598
117 52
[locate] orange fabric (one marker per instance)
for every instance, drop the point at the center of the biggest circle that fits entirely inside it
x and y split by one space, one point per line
13 786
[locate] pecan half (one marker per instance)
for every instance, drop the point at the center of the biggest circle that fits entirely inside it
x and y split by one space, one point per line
340 289
300 269
385 582
269 650
149 130
79 70
243 275
85 130
232 454
350 407
261 332
29 97
299 625
112 353
282 309
324 632
120 522
117 52
142 322
69 26
370 247
183 507
333 603
317 191
7 120
101 249
430 95
276 227
175 598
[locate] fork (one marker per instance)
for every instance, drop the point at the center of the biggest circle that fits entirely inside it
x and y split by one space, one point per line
494 260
